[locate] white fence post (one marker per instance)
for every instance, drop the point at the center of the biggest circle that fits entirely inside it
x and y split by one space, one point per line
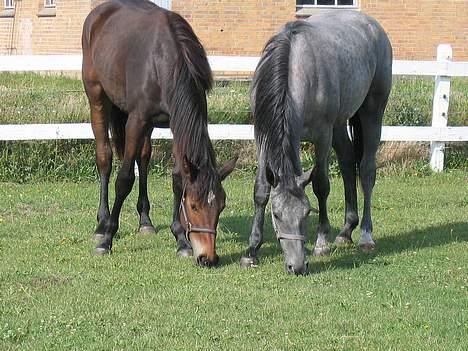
440 105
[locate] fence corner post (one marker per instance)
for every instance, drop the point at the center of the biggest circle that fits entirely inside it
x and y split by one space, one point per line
440 104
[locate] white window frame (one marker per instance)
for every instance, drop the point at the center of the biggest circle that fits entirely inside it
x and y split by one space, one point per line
9 4
335 5
49 3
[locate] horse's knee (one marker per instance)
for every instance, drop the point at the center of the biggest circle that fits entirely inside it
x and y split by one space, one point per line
124 183
261 195
103 157
320 182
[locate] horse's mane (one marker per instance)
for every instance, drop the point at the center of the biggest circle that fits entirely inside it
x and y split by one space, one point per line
277 123
191 80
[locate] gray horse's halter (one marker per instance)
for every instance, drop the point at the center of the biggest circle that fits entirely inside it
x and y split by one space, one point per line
189 228
280 235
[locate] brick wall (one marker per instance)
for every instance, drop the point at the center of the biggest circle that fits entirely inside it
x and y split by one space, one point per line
417 27
241 27
33 31
235 27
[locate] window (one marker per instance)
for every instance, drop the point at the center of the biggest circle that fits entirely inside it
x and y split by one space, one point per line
49 3
163 3
48 9
327 3
9 4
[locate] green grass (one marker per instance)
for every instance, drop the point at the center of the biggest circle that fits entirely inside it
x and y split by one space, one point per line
33 98
410 294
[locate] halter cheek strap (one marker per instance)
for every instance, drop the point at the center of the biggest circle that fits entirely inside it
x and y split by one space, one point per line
189 228
280 235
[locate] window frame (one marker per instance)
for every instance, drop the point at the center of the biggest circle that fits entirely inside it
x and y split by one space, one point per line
9 7
49 4
335 6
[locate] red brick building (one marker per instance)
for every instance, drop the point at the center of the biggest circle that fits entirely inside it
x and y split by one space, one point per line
241 27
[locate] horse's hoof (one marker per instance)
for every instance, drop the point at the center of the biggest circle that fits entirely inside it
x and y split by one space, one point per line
248 262
146 230
343 241
102 251
97 237
367 247
321 251
184 252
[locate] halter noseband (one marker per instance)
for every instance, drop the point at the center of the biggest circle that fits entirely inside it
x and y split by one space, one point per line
280 235
189 228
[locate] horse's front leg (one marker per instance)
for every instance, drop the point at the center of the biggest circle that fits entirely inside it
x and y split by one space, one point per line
321 187
347 162
143 205
261 195
184 249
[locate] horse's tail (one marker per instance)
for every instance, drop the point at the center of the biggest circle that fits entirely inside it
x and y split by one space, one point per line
118 120
191 80
356 136
277 122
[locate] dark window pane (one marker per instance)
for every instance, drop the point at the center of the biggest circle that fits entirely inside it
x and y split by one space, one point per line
306 2
345 2
325 2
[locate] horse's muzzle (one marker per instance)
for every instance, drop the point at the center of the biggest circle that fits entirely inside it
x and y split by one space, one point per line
204 261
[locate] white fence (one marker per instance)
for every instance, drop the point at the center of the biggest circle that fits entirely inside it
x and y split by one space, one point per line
437 134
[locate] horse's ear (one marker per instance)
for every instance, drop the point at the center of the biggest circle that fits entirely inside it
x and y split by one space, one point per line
189 169
270 177
227 168
304 179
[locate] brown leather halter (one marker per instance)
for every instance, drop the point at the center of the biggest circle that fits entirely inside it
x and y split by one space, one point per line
189 228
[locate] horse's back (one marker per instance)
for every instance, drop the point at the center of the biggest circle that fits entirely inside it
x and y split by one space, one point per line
121 41
343 30
340 56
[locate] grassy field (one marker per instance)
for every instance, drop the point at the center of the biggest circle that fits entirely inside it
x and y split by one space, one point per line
410 294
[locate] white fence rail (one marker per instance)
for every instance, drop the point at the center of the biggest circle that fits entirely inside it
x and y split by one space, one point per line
438 134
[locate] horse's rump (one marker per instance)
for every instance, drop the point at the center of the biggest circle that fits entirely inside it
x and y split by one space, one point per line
315 74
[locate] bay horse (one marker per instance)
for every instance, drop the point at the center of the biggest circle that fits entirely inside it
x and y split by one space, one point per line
143 66
314 77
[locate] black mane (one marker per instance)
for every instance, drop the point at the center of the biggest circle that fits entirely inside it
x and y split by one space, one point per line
192 79
277 124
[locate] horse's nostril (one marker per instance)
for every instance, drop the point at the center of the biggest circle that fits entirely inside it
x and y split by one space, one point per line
301 270
203 261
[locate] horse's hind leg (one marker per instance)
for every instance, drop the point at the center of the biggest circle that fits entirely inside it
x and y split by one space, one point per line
100 107
346 160
321 187
135 130
261 195
143 205
370 115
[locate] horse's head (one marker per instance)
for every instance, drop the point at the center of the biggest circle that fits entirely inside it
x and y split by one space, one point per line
201 205
290 208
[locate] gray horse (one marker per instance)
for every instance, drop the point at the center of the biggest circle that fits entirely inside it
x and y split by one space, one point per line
316 77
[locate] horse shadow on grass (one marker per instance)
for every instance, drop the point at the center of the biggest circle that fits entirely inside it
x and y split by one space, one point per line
344 257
